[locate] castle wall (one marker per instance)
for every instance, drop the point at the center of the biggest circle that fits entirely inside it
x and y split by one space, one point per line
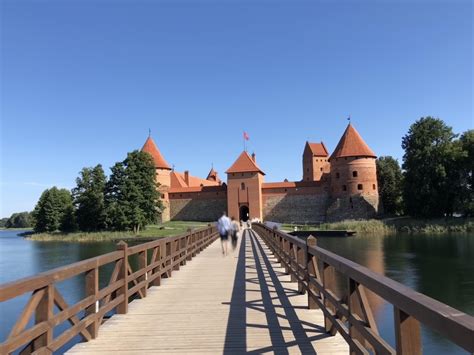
204 205
352 207
295 204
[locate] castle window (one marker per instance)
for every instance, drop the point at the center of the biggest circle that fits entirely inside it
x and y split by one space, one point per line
242 174
286 190
337 175
354 173
307 170
344 188
321 169
373 186
360 187
163 195
242 186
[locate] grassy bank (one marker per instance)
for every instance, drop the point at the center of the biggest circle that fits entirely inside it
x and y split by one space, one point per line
395 225
151 232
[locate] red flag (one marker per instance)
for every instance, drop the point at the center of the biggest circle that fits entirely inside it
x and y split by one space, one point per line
246 136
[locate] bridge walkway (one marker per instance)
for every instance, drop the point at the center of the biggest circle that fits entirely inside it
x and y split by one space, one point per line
241 303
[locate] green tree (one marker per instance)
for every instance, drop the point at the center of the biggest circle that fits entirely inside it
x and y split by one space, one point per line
53 211
3 222
88 199
19 220
390 182
429 157
465 201
132 197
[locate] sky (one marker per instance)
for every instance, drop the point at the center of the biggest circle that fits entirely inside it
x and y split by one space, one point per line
82 82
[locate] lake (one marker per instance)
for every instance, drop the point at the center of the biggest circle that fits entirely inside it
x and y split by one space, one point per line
440 266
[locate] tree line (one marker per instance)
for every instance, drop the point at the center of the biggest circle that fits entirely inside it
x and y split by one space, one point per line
127 200
436 176
17 220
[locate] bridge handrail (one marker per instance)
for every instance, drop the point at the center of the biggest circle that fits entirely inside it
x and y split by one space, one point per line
156 259
314 269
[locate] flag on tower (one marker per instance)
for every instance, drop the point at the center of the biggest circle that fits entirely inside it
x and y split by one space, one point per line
349 118
246 136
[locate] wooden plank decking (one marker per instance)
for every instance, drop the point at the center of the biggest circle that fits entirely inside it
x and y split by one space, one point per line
242 303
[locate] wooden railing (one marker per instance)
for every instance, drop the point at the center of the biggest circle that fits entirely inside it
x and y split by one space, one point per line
350 314
156 260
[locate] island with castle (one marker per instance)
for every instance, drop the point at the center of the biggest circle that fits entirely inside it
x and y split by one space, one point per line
333 187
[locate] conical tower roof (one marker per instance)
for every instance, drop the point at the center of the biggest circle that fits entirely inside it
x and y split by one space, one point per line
212 174
351 144
244 164
151 148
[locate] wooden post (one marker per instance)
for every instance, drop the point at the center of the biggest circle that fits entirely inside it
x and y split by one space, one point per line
157 253
142 264
189 247
329 284
354 307
286 253
168 259
176 253
92 289
44 312
311 272
407 333
122 308
184 248
301 262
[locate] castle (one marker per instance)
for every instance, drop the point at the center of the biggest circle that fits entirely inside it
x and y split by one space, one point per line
333 187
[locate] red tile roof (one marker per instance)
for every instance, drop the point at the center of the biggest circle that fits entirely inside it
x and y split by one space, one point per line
244 164
151 148
317 149
178 180
351 144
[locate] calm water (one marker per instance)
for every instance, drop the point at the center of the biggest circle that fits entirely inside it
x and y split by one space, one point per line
441 267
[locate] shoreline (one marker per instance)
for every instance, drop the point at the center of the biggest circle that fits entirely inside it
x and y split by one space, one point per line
397 225
150 233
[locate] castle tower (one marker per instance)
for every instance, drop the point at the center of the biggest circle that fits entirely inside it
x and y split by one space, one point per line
163 177
315 161
244 188
353 178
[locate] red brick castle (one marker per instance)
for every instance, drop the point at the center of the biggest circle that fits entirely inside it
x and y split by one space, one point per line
333 187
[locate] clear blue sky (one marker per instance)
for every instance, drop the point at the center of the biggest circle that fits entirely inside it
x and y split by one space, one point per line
83 81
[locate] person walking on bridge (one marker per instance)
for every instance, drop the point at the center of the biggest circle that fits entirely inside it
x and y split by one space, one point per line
224 227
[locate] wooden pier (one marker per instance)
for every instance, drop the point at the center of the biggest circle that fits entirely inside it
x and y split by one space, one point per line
275 293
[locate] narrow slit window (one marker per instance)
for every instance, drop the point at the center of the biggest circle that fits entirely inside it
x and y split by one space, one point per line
360 187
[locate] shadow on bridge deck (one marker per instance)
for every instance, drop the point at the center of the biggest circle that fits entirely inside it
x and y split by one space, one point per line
257 273
242 303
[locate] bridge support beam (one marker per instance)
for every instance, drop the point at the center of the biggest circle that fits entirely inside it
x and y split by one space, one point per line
407 333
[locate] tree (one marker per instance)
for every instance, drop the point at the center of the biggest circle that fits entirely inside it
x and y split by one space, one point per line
465 202
88 199
429 156
53 211
3 222
19 220
390 182
132 197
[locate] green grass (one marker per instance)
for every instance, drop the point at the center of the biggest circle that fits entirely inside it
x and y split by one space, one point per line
151 232
394 225
371 226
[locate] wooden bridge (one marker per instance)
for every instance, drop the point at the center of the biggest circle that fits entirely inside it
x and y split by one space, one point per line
273 293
